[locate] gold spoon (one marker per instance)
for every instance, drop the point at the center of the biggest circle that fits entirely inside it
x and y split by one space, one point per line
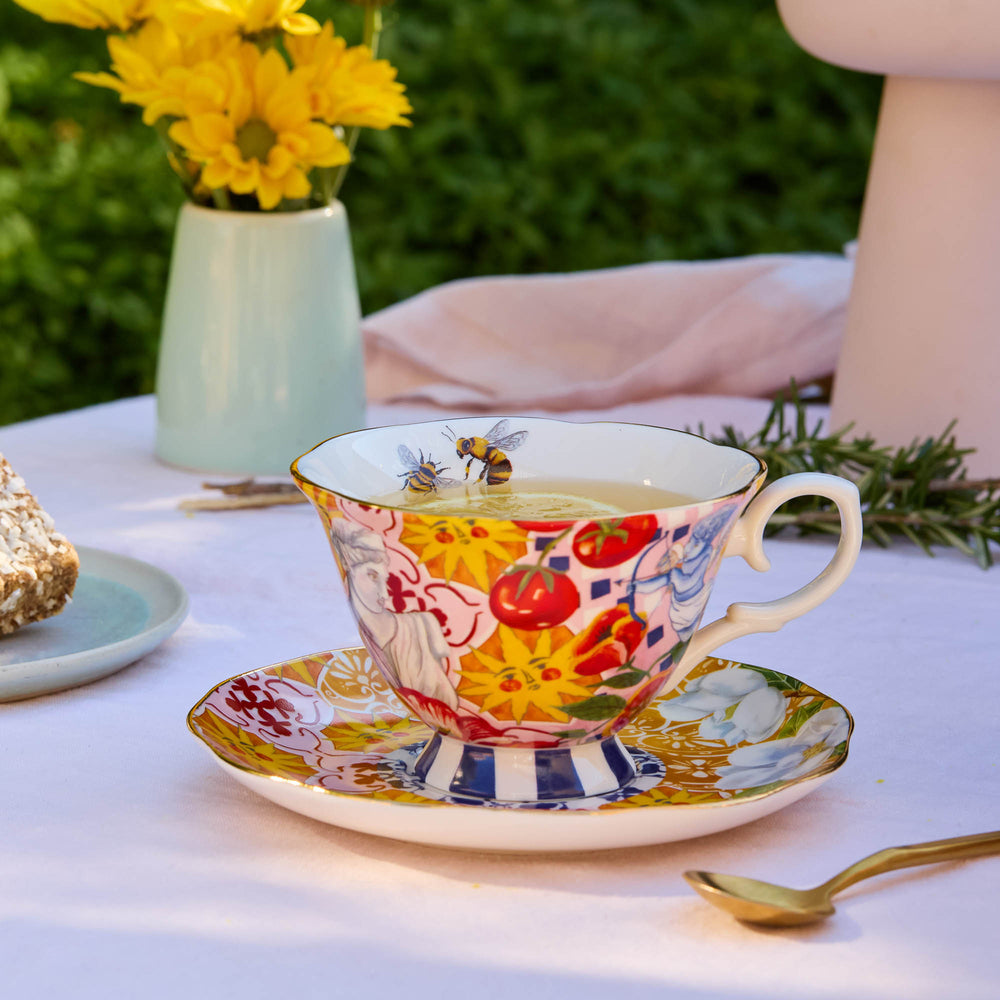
764 903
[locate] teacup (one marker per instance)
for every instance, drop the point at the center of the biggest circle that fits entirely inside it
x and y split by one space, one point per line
528 642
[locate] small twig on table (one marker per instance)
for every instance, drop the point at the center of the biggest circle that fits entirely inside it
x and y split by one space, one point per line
245 494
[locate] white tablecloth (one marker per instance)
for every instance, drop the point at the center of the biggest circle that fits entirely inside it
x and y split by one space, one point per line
130 865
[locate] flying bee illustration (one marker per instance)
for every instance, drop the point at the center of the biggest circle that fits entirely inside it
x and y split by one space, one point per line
422 475
490 450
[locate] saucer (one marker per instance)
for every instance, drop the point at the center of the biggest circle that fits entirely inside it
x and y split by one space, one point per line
323 735
121 609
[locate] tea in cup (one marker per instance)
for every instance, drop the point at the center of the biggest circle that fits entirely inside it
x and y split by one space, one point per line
527 585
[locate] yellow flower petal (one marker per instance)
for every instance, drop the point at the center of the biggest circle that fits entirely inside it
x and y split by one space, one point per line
279 161
217 174
230 152
300 24
212 130
316 144
120 14
321 138
204 91
296 184
287 110
182 134
246 178
297 144
268 192
269 75
100 80
156 109
334 156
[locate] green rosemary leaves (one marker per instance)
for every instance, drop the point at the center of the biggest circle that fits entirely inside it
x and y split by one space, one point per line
919 492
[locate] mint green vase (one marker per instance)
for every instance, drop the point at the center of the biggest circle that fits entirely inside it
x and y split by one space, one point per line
260 355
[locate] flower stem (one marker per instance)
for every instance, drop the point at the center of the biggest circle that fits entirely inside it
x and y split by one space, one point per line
372 28
175 157
370 38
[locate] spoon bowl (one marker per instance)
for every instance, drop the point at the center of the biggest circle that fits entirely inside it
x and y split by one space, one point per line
761 902
777 906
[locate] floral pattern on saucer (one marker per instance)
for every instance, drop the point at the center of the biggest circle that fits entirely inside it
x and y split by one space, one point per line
729 731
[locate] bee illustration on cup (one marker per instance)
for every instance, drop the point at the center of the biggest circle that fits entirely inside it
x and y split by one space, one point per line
490 450
422 475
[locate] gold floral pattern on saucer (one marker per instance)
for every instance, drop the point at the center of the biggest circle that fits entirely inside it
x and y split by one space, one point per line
731 736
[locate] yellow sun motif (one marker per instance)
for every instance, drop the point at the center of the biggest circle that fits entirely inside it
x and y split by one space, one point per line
523 683
240 747
261 140
107 14
449 546
380 736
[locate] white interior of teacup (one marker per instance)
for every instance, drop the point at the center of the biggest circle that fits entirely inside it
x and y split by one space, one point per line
364 465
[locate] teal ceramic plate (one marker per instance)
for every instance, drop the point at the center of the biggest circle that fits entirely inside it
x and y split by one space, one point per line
121 609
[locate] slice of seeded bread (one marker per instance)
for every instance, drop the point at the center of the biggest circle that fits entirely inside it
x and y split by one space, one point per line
38 566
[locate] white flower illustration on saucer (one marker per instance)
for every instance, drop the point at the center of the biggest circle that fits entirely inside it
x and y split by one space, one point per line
736 705
788 758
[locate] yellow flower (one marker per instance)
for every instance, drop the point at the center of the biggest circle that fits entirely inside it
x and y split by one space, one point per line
252 129
200 18
152 68
347 85
523 681
108 14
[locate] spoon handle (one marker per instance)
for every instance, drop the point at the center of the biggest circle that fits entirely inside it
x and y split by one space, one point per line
910 855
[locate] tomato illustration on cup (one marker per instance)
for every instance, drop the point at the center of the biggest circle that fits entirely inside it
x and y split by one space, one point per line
611 542
533 597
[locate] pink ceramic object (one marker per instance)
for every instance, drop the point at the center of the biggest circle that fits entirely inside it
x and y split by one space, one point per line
922 343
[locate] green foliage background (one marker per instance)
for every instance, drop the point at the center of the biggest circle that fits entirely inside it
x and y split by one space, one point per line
548 136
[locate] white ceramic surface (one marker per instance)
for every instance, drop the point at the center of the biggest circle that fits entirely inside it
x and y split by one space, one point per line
482 829
366 465
261 348
121 609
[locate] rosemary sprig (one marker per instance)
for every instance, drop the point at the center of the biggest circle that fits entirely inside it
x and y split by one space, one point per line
920 492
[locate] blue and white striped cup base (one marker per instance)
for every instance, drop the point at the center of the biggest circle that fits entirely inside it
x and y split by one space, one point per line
524 774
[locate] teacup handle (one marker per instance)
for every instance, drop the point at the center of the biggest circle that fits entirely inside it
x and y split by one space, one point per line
747 540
